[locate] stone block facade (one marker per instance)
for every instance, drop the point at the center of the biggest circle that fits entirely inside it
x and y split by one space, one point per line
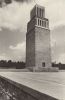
38 48
42 47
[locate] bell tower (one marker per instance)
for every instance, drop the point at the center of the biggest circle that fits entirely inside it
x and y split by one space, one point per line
38 52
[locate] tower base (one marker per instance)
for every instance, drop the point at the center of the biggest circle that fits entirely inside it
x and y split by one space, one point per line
45 69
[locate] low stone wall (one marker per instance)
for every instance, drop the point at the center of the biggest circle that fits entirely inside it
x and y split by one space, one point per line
16 91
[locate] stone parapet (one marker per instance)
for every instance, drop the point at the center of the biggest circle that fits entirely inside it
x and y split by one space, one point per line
16 91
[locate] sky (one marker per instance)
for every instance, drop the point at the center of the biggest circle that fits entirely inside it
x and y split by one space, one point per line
14 16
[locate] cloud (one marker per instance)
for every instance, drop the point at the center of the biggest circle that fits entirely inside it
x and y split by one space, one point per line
19 46
24 1
58 43
55 12
6 2
15 53
15 16
61 58
18 51
3 56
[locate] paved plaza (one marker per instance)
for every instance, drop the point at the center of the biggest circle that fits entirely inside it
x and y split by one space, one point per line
50 83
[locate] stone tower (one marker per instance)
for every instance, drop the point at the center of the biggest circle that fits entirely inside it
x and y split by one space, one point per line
38 52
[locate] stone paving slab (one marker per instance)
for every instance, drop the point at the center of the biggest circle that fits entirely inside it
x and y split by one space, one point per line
50 83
